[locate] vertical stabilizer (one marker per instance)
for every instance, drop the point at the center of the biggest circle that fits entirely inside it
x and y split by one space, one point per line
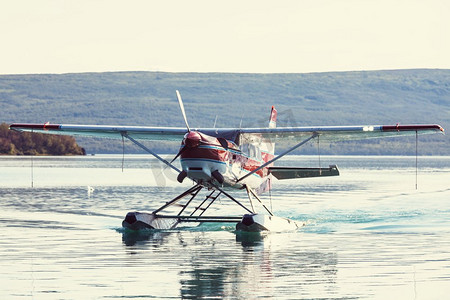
273 118
267 153
268 145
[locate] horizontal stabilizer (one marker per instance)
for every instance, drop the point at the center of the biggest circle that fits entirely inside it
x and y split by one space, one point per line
290 173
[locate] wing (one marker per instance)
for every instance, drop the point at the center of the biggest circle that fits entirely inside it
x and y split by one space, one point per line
327 133
115 132
341 133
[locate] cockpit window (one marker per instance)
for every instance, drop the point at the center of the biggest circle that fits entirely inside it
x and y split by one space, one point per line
251 150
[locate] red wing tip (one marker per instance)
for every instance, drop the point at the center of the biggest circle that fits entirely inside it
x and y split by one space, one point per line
398 127
45 126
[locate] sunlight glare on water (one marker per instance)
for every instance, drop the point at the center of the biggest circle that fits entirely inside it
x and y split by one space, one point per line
369 233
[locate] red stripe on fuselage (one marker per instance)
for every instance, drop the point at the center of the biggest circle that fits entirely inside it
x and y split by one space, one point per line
267 156
252 164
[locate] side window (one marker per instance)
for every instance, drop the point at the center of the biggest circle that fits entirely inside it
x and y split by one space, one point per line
252 151
245 149
257 152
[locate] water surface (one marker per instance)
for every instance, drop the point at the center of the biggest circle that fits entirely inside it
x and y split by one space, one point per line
369 233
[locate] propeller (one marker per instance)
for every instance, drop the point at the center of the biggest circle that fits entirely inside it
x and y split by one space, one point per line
179 153
223 142
183 112
180 102
191 140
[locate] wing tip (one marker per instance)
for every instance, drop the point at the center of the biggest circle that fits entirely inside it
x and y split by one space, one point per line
424 127
30 126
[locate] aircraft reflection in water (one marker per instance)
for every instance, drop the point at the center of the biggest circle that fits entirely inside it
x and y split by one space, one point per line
221 160
247 268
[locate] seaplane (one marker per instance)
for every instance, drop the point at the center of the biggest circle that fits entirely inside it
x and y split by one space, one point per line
223 160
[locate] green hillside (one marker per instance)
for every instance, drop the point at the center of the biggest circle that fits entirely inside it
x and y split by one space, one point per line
26 143
148 98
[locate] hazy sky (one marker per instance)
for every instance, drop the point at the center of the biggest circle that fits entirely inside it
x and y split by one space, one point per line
56 36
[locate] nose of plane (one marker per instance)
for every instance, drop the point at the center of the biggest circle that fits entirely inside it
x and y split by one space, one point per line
192 139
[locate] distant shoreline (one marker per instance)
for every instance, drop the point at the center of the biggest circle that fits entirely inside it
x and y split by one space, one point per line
232 100
36 144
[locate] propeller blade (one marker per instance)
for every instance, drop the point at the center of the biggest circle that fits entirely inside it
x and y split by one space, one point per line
182 109
223 142
178 154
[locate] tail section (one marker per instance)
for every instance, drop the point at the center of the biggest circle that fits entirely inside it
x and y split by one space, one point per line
267 145
273 118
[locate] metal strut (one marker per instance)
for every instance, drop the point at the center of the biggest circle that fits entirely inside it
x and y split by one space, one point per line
315 134
124 134
193 191
232 198
210 196
251 192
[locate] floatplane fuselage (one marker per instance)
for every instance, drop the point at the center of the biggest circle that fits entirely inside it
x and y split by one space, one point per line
221 164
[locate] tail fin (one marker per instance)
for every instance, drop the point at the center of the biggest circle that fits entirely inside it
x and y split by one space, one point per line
268 146
273 118
268 152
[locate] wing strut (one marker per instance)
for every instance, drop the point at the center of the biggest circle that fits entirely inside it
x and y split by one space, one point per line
124 134
315 134
250 192
232 198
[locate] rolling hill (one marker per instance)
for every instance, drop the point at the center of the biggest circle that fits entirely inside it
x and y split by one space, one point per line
148 98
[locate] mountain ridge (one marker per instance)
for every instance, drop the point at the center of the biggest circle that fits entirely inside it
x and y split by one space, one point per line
302 99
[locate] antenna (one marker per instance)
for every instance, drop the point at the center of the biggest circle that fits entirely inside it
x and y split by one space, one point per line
318 152
417 140
32 168
32 175
123 152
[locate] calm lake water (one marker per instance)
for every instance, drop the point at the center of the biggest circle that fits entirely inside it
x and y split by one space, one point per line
369 233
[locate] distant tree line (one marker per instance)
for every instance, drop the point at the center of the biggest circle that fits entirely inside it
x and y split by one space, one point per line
228 100
26 143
